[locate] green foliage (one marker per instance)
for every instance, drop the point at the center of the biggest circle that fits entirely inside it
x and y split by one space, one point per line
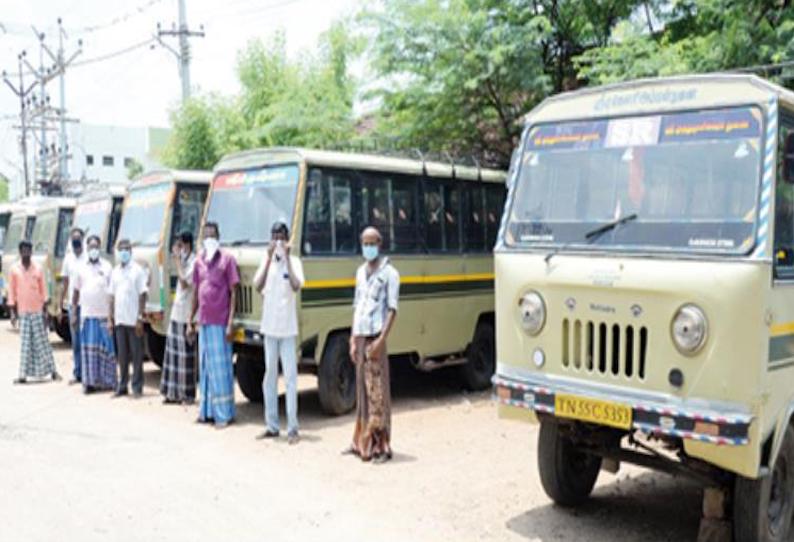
134 168
4 182
696 36
194 140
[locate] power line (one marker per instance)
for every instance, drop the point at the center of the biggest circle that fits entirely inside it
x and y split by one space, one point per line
114 54
119 19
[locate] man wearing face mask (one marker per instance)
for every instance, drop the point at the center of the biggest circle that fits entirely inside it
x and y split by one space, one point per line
98 353
27 302
374 313
215 279
128 289
74 258
279 278
178 379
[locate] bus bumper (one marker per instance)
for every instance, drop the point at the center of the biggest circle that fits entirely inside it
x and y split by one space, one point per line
658 414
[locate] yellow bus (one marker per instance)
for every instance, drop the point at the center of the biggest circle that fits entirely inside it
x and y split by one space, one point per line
98 212
20 226
158 206
438 220
50 239
644 294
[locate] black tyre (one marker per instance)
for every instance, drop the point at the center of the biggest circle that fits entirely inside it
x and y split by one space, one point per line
155 346
567 474
479 369
762 508
62 329
250 371
337 376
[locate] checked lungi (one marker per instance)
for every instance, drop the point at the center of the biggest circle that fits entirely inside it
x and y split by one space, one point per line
178 380
216 374
36 357
98 355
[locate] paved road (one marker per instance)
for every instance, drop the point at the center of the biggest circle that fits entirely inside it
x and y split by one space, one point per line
86 468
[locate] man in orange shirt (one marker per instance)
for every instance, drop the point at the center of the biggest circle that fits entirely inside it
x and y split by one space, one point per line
28 303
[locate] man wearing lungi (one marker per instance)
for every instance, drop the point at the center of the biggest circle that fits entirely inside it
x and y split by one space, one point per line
374 313
27 301
178 380
91 294
72 262
215 279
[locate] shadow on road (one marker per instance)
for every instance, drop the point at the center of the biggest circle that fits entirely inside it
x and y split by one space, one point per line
411 390
652 507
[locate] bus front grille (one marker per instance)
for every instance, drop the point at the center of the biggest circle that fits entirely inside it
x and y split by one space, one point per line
245 300
604 348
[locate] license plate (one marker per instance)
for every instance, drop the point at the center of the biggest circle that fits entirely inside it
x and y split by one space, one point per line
592 410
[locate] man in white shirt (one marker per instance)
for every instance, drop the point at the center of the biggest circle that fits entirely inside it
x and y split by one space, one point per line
71 265
279 278
97 351
128 289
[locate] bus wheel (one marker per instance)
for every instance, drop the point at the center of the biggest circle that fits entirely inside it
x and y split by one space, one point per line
478 370
337 376
250 371
567 474
155 346
762 508
62 329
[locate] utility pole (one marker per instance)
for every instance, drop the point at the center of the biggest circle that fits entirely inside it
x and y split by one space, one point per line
22 94
43 114
183 54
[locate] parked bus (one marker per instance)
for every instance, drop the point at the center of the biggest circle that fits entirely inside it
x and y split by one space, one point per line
438 222
50 239
644 290
5 217
20 226
158 206
98 212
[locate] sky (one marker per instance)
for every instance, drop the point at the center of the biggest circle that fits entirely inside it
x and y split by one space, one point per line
139 88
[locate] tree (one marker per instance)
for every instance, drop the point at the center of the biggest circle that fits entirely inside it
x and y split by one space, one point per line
134 168
695 36
193 141
459 74
4 184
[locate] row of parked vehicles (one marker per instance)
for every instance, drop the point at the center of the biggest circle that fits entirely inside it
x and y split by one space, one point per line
439 222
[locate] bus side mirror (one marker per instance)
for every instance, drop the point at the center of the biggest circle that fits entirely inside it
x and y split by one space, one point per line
788 159
784 257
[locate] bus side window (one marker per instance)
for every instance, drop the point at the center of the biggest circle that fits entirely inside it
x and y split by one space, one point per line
784 211
433 214
115 222
375 207
475 223
495 195
404 223
328 222
452 226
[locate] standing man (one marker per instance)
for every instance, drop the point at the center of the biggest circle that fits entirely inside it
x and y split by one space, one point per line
97 352
375 309
279 278
71 265
215 279
178 380
128 291
27 302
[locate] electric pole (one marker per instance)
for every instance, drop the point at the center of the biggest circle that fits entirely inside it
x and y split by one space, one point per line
22 94
183 54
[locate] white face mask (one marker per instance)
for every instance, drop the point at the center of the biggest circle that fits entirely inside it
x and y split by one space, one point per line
279 248
93 254
211 247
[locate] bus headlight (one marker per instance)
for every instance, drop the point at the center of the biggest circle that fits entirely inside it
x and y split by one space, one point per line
532 312
689 329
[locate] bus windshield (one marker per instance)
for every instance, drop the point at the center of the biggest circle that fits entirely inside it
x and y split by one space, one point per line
92 216
144 214
676 182
44 232
245 204
14 234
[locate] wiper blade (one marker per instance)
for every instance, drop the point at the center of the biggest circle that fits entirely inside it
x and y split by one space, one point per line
239 242
592 235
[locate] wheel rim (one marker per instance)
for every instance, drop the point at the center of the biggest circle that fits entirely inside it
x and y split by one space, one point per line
778 497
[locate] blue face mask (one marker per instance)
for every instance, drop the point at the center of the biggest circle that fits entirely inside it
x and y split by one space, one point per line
370 252
125 256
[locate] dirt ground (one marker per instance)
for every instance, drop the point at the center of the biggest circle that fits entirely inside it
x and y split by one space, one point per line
76 467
